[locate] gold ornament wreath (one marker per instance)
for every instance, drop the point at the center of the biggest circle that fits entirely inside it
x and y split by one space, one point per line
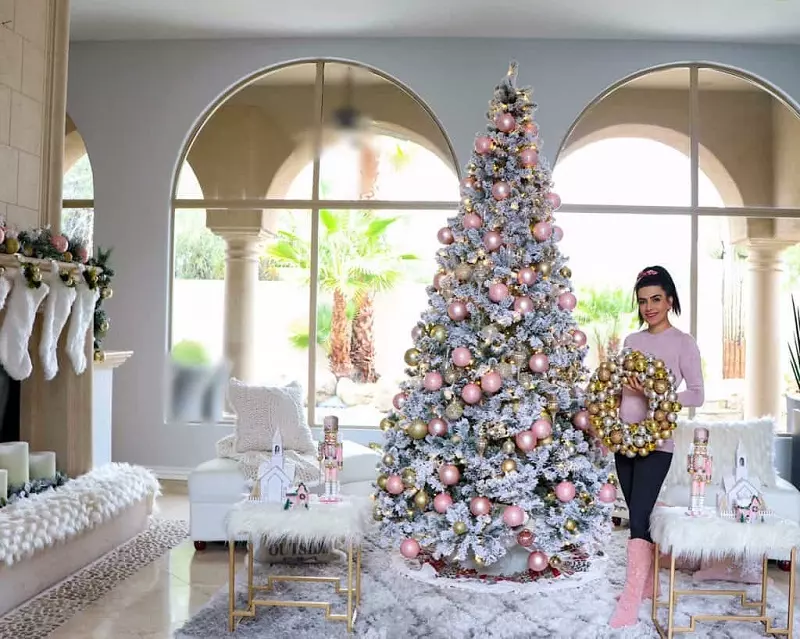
605 394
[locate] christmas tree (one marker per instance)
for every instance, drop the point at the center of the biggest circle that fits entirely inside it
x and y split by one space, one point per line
488 454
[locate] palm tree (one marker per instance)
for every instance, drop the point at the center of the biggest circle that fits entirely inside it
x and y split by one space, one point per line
606 313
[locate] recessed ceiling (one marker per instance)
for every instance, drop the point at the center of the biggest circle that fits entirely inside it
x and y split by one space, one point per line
766 21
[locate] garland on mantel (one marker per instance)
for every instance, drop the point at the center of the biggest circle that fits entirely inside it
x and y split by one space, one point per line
43 244
34 487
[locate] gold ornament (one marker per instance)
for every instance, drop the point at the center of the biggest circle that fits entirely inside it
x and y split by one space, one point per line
99 356
409 477
454 410
571 525
545 269
386 424
508 466
410 513
546 441
376 513
439 333
480 445
456 439
106 292
450 376
459 528
388 460
421 500
104 325
509 447
566 272
417 429
555 562
382 481
479 561
66 256
12 245
411 357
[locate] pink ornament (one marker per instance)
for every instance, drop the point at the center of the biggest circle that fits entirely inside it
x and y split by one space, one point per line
442 502
542 428
394 484
505 122
523 304
449 474
501 190
567 301
468 183
579 338
461 356
409 548
565 491
531 128
480 506
554 200
492 240
432 381
457 311
491 382
437 427
399 400
537 561
529 158
498 292
59 243
581 420
542 231
527 276
445 235
484 144
437 280
83 255
539 363
471 393
525 538
472 221
607 494
558 234
513 516
416 332
525 440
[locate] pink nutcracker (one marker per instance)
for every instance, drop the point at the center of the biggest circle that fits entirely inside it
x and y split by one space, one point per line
698 464
330 456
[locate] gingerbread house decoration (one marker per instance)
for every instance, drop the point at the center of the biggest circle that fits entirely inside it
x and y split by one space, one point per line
741 498
299 497
273 481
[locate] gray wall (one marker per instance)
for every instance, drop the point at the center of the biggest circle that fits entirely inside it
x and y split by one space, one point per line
135 103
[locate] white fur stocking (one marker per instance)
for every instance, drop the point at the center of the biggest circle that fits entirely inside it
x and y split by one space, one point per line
18 326
81 320
56 312
5 289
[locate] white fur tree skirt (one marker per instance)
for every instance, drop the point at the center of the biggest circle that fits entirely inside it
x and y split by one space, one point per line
53 517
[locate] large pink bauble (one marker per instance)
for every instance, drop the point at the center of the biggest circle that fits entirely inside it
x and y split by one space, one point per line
581 420
492 240
442 502
448 475
432 381
437 427
567 301
498 292
471 393
529 158
445 235
531 128
527 276
437 280
505 122
525 440
537 561
483 144
554 200
513 516
60 243
399 400
491 382
579 337
542 231
457 311
542 428
558 234
539 363
472 221
416 332
565 491
394 484
409 548
501 190
607 494
468 183
523 304
479 506
461 356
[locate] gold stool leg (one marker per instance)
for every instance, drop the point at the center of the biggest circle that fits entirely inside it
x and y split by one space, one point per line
250 589
350 586
671 604
231 584
656 555
792 568
358 575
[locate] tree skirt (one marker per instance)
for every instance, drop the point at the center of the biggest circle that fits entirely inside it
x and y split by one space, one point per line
395 606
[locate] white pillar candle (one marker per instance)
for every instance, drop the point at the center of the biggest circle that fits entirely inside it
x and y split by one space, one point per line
14 458
3 483
42 465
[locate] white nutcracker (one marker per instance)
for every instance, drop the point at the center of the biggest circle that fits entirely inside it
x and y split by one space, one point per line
699 464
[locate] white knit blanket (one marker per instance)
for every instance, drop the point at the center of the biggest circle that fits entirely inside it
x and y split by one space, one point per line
306 466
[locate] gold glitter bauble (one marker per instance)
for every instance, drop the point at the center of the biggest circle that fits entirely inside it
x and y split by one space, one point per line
555 561
509 447
566 271
571 525
388 460
409 476
544 268
417 429
459 528
382 478
411 357
421 500
439 333
386 424
508 466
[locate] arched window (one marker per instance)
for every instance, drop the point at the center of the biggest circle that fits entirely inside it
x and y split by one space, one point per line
306 209
77 211
690 167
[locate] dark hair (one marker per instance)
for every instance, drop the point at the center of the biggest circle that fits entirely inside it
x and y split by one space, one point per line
656 276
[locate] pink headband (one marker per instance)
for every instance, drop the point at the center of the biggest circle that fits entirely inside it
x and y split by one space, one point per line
644 274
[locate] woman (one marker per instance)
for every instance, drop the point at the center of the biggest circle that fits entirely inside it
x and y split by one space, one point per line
641 477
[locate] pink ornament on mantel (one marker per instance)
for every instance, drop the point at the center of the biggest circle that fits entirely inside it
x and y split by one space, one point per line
565 491
527 276
461 356
432 381
491 382
399 400
567 301
472 221
558 234
539 363
483 145
581 420
542 231
554 200
442 502
537 561
523 304
457 311
501 190
529 157
513 516
607 494
394 484
525 441
505 122
492 241
445 235
498 292
449 474
437 427
59 243
542 428
480 506
409 548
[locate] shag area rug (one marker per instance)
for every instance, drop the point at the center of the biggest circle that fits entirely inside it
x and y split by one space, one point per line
40 616
394 606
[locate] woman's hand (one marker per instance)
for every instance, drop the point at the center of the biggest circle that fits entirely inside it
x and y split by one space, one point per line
635 385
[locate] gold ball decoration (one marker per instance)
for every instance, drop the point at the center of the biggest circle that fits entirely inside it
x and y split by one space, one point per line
555 562
454 410
386 424
566 271
377 515
106 292
479 561
459 528
509 447
546 441
545 269
571 525
99 356
388 460
409 476
605 392
438 332
421 500
450 376
508 466
381 481
410 513
417 429
104 325
411 357
12 245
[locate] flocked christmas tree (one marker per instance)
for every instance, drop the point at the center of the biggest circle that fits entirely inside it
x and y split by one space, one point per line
488 453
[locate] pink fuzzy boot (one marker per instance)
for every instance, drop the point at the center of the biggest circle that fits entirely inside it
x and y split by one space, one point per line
640 562
746 572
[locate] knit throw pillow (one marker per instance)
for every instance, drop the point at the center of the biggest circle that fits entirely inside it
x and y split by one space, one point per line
261 410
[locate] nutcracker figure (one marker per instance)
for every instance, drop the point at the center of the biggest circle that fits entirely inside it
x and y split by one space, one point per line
330 456
698 464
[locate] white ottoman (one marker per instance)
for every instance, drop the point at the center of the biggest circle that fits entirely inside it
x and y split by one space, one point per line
215 485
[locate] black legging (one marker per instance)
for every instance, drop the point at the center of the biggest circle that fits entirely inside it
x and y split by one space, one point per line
640 479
